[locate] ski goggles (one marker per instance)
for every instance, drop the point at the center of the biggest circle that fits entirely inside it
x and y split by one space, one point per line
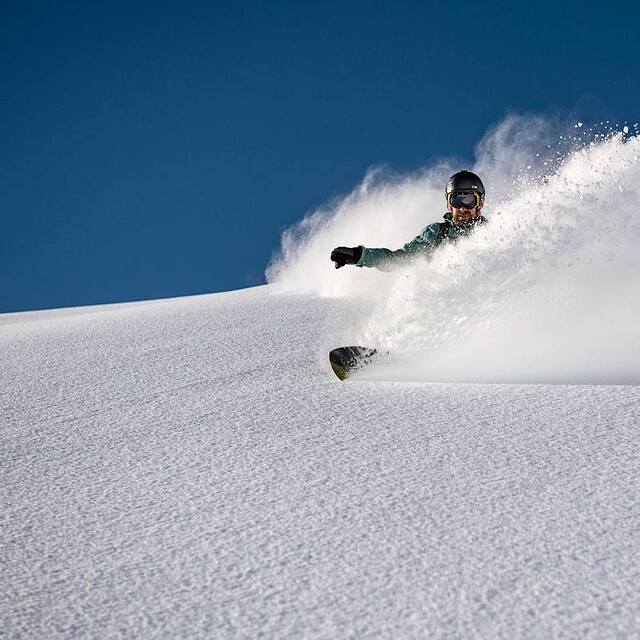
464 200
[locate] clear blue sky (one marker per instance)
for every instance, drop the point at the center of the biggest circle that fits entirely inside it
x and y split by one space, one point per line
159 149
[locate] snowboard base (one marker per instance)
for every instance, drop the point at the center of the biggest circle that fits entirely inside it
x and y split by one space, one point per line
347 360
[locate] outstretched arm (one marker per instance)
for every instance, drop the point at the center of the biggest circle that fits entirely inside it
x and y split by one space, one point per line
387 260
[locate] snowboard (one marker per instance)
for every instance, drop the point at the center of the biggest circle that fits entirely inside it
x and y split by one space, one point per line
347 360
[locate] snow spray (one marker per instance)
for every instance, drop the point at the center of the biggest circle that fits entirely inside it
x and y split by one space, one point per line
547 292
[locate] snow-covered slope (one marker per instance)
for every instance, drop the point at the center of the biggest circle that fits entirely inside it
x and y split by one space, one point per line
191 468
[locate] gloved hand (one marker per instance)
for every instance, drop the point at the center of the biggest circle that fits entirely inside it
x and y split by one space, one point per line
346 255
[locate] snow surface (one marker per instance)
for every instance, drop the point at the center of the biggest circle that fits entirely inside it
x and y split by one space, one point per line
192 468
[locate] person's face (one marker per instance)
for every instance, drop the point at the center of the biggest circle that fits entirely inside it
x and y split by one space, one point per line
463 214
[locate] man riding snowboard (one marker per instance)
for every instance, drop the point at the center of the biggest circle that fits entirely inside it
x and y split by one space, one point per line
465 198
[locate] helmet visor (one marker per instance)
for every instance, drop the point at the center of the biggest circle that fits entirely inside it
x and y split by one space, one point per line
464 200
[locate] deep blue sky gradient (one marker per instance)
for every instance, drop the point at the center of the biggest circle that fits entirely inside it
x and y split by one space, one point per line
159 149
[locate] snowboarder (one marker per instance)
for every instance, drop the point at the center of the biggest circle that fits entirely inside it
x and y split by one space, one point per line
465 198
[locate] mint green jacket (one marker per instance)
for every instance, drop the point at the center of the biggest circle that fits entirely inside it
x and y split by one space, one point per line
423 244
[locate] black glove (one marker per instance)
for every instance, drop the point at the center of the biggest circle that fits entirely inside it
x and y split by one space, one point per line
346 255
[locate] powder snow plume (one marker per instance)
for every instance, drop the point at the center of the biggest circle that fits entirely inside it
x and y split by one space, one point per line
548 291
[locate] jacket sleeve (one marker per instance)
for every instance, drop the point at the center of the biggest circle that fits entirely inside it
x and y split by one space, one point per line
387 260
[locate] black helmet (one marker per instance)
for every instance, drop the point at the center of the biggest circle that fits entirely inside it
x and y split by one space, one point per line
465 181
